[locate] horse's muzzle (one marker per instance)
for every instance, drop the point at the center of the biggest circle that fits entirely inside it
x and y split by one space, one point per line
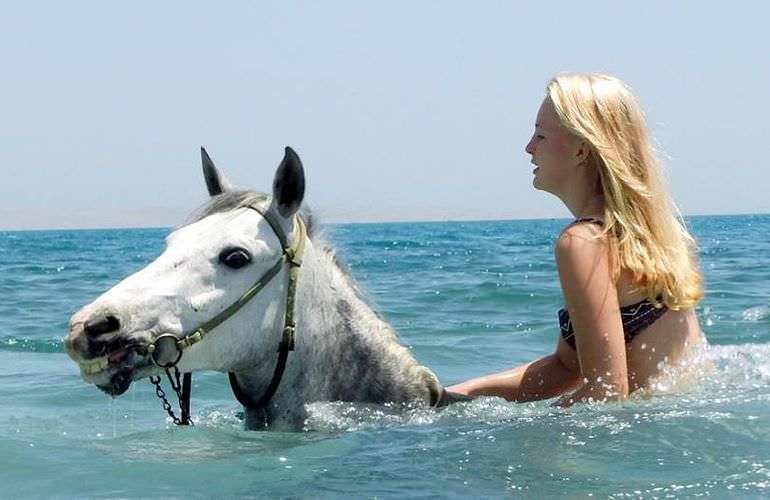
76 341
106 358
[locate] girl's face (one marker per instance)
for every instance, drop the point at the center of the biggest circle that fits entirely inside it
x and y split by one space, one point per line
555 151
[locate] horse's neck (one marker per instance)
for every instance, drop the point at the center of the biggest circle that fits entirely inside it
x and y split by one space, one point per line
344 350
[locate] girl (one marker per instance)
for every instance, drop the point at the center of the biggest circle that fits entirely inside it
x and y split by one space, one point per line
627 265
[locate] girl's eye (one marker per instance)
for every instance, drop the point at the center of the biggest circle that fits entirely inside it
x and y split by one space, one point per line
235 258
540 137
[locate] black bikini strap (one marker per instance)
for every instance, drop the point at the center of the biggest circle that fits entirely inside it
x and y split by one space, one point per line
595 220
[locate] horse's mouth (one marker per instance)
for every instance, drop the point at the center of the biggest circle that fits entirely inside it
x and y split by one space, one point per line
118 384
113 373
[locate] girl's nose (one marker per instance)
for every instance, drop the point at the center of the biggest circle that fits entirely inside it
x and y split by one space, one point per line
529 148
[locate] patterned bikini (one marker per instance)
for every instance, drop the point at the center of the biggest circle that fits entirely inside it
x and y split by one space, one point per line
635 317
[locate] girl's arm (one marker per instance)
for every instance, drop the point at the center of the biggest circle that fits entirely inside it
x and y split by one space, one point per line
541 379
590 294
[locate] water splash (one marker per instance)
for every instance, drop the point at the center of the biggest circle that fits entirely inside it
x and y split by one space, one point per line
757 313
709 384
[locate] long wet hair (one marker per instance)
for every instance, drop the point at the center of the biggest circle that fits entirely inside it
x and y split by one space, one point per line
649 237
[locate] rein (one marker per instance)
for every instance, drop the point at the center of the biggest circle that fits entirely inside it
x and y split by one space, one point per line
167 349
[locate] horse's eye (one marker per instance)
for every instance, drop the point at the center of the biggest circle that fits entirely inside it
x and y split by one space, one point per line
234 258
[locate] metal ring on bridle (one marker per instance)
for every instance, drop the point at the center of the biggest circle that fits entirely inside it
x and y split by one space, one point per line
155 349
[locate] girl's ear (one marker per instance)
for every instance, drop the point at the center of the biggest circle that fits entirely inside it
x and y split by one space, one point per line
584 152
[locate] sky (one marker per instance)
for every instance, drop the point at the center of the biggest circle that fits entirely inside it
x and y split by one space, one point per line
400 110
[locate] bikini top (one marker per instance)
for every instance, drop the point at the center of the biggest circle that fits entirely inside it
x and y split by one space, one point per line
635 317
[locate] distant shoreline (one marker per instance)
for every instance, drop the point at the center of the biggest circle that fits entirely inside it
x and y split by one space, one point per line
470 220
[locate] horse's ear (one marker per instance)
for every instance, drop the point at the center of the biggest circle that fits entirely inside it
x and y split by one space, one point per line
289 184
215 181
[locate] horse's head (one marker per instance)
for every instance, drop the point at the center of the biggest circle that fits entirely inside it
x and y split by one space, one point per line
134 329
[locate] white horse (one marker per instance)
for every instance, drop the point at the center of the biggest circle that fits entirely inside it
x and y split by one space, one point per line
223 296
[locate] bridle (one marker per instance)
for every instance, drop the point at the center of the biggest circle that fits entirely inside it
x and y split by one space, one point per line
167 349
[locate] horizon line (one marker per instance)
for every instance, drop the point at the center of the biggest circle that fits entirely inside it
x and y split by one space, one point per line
372 221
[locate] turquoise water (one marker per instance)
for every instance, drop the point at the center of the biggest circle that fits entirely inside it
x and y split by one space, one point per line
469 298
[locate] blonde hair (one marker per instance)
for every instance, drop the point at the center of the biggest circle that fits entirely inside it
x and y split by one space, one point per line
650 240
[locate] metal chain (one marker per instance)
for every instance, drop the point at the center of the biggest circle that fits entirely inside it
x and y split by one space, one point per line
177 387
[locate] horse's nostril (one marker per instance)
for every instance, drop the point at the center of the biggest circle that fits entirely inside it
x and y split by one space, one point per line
100 325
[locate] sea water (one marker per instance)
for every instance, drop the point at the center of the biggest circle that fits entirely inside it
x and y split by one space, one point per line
468 298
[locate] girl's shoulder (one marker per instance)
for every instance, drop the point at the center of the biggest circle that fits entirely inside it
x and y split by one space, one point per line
581 240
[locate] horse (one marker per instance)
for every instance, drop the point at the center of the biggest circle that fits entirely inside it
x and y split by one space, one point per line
246 286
